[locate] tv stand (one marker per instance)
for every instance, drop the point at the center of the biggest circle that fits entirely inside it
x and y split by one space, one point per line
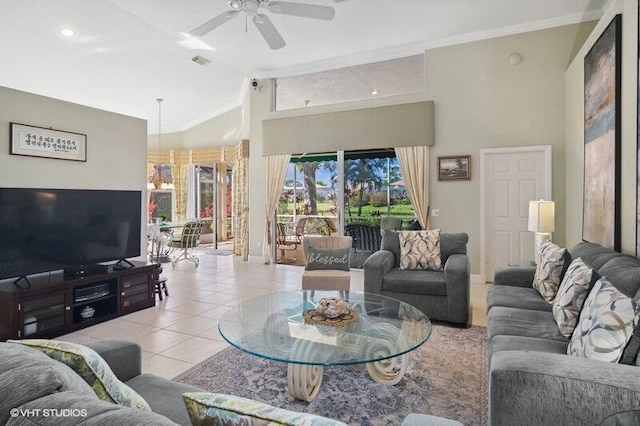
122 264
55 304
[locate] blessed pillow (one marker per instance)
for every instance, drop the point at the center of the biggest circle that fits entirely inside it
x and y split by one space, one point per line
573 291
606 324
335 259
551 264
420 250
206 408
92 368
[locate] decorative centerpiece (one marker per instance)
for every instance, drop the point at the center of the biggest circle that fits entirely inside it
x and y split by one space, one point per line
87 312
332 307
330 311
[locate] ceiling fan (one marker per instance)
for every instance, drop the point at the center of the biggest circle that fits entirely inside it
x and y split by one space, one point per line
252 9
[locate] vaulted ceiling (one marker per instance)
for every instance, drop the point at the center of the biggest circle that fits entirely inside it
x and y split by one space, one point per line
126 53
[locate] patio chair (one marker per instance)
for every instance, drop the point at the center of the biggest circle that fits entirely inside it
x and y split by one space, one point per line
186 242
284 243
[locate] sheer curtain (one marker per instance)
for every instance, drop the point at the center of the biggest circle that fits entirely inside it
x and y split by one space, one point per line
276 170
414 164
191 212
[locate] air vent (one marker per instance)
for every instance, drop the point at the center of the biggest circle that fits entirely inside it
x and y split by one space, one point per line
200 60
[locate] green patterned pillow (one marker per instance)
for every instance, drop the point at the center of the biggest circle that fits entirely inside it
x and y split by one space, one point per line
206 408
92 368
573 291
420 250
606 324
549 270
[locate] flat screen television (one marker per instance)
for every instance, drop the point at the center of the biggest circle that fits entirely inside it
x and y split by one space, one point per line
49 229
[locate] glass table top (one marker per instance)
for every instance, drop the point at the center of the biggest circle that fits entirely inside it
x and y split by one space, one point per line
273 326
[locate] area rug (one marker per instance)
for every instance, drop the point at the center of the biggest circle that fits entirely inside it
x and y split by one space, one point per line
446 377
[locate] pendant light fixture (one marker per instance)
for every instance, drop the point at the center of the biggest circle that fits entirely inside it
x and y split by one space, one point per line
157 177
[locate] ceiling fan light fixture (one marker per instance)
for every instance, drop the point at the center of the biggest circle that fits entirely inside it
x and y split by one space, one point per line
235 4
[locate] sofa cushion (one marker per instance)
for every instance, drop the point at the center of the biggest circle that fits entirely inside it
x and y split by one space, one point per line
452 243
549 271
606 324
27 374
212 408
319 259
420 250
164 396
624 273
415 282
520 343
72 408
522 322
92 368
573 291
516 297
592 254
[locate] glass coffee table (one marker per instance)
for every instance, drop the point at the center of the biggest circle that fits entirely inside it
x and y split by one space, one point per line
378 331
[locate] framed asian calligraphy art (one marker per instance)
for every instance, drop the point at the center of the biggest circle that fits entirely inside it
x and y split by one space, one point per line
35 141
602 79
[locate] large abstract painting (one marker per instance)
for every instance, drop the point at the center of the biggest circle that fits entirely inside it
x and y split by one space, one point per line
601 209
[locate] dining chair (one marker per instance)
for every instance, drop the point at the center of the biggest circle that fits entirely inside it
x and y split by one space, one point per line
186 242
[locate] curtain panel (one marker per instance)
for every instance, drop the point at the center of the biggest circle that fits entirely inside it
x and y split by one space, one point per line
414 164
276 170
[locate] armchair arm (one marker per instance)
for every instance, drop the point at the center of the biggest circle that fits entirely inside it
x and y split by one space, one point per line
516 276
457 278
123 356
375 268
558 389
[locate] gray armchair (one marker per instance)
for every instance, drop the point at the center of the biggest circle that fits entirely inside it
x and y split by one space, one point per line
441 295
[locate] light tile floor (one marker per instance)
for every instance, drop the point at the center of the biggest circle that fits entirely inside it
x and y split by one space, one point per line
181 330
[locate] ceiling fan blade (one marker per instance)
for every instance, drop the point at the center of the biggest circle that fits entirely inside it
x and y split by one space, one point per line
269 32
214 23
326 13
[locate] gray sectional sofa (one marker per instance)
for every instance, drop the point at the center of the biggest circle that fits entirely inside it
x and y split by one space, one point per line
532 379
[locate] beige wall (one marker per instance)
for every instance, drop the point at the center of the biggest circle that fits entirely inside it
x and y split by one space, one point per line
116 147
574 164
484 102
225 129
480 102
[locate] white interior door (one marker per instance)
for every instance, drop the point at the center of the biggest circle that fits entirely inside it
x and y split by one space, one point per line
511 177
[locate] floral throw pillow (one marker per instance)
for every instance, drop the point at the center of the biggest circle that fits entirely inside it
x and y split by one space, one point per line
206 408
606 324
92 368
549 270
571 295
420 250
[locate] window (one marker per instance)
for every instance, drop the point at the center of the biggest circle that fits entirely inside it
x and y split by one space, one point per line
386 78
374 188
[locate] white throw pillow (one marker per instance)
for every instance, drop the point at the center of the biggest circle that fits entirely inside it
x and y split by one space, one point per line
420 250
571 295
606 324
549 270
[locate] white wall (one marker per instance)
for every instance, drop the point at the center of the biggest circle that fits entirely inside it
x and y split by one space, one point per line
116 147
574 165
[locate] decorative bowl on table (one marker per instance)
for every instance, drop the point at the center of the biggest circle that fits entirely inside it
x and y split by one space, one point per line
87 312
332 307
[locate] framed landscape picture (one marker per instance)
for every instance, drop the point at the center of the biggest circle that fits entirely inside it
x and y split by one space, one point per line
455 167
601 199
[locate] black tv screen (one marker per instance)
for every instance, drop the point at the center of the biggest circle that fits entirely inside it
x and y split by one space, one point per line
49 229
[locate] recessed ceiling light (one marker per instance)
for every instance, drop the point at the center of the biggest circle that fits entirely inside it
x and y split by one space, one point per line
374 92
67 32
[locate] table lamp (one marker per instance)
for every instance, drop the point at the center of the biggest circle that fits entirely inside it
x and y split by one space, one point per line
541 223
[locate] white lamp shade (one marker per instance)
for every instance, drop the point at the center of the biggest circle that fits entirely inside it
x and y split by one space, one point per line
541 216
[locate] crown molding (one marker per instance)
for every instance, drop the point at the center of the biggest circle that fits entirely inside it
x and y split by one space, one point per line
420 47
